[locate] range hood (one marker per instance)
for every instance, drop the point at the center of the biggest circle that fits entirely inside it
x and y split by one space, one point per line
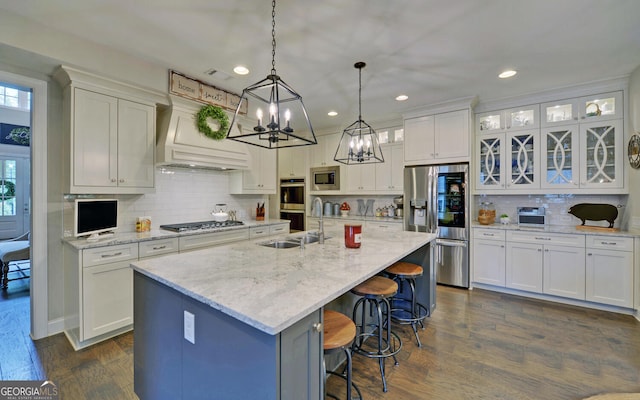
180 144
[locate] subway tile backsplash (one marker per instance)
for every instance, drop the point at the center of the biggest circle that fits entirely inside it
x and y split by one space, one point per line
556 206
181 195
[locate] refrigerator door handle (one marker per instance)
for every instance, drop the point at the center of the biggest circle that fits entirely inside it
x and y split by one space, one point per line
451 243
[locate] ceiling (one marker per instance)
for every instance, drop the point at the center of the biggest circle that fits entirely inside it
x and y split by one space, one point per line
431 50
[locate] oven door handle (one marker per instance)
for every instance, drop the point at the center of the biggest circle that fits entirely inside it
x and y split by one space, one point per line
451 243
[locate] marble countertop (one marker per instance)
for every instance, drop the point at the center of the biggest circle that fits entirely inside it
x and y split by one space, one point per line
556 229
134 237
360 218
271 289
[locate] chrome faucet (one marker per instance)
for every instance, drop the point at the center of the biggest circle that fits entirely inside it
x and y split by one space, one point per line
320 222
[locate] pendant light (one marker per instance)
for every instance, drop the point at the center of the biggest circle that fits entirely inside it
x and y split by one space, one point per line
359 143
281 119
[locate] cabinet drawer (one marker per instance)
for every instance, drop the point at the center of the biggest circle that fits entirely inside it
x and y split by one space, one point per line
610 243
546 238
278 229
258 231
385 226
157 247
493 234
109 254
211 239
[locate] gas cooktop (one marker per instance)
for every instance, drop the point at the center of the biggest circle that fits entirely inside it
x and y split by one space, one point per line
194 226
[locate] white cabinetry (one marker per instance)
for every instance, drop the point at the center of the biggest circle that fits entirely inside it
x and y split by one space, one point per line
198 241
609 269
578 150
292 162
389 174
546 263
322 154
489 262
109 133
260 178
437 138
98 301
157 247
361 178
113 144
384 226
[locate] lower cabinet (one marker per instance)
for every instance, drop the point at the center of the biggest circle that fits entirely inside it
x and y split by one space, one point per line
98 292
609 270
227 358
591 268
489 262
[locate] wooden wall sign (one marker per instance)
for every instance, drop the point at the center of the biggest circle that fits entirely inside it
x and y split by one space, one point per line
194 89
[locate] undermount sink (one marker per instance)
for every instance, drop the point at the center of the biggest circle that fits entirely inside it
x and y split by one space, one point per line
292 241
280 244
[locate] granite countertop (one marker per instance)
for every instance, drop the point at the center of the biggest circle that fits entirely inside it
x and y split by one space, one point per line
134 237
556 229
271 289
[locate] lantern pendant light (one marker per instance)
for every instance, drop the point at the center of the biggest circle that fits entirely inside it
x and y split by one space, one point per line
281 119
359 143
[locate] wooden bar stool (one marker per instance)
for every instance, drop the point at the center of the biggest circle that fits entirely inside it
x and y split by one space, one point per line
339 332
375 292
407 311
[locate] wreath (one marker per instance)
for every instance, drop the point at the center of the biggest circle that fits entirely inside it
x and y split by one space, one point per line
217 114
7 189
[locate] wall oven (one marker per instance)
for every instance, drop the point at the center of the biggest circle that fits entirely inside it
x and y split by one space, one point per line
292 193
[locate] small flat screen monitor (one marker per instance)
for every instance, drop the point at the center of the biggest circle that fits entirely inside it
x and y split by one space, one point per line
95 216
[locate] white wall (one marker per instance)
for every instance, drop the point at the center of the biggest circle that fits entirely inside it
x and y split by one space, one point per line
633 208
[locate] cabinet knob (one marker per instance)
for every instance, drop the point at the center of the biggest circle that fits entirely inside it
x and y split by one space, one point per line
589 254
317 327
121 180
113 180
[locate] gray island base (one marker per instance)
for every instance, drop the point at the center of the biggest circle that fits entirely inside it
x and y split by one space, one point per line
243 321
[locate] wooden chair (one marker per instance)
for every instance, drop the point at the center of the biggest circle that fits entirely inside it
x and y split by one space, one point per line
17 249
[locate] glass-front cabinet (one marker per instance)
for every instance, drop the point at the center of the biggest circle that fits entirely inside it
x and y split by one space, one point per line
600 107
511 119
559 157
490 171
522 164
601 155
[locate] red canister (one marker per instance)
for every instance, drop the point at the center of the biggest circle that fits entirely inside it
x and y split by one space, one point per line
352 236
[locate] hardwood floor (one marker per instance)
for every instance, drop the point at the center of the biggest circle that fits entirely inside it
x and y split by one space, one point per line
477 345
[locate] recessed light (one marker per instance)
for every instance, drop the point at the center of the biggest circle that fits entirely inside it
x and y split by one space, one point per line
332 113
241 70
507 74
402 97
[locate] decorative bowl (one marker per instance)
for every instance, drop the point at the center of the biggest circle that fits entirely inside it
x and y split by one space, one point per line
344 213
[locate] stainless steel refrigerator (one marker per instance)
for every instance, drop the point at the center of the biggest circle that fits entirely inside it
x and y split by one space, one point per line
436 200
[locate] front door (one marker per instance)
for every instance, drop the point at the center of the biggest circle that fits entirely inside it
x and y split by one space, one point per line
14 196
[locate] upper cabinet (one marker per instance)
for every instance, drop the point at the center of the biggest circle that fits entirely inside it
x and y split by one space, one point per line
594 108
389 174
578 149
292 162
322 154
511 119
110 131
260 178
437 138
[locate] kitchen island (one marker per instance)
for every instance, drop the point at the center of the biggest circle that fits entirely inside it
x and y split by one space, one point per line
245 321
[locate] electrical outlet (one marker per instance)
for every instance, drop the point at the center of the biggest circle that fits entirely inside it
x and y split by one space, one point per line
189 327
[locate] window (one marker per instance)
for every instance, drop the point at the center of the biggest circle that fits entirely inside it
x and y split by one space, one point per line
15 98
8 188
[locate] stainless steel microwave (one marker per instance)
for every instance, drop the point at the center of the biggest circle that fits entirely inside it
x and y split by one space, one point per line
325 178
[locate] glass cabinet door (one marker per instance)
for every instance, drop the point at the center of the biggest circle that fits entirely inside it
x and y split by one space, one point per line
600 107
522 118
490 175
559 157
490 122
523 151
559 113
601 155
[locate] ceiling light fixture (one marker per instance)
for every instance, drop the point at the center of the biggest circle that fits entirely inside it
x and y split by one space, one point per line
359 142
287 122
241 70
507 74
402 97
332 113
